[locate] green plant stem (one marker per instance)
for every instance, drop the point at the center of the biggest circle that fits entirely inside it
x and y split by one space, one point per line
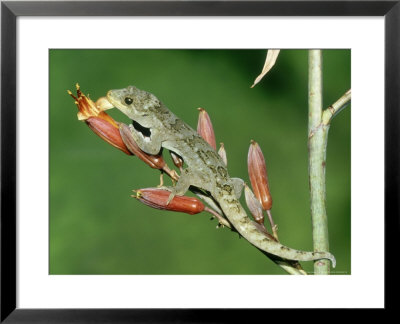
335 108
317 141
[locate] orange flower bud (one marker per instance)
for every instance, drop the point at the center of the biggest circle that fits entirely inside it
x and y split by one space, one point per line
154 161
258 175
157 198
254 205
205 128
99 122
222 153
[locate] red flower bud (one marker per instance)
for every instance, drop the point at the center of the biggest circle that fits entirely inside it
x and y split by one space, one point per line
205 128
157 198
107 132
99 122
258 175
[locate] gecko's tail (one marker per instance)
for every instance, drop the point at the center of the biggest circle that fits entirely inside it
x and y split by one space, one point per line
326 255
242 223
292 254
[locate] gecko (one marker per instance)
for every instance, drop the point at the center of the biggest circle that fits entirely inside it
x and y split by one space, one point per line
154 127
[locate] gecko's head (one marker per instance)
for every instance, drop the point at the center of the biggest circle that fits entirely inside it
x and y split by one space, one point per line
133 102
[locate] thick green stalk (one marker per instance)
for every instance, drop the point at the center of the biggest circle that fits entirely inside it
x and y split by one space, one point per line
317 141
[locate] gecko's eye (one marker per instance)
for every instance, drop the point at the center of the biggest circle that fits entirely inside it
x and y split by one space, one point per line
128 100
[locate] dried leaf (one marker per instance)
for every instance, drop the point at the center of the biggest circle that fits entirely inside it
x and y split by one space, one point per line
272 55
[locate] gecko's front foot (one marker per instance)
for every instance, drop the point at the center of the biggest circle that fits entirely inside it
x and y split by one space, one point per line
172 190
175 191
180 188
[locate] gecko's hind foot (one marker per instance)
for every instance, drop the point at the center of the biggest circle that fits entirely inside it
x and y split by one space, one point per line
172 194
181 186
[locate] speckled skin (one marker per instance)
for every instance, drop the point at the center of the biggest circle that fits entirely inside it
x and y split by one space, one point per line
205 169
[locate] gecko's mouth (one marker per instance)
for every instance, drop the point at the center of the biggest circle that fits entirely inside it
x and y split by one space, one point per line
146 132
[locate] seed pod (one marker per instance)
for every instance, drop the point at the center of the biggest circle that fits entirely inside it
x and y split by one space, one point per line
154 161
157 198
222 153
254 205
205 128
258 175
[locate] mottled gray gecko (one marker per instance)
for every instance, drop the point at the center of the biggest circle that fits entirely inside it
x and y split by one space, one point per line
155 127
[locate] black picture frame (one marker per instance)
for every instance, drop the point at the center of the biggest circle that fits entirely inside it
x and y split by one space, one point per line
9 13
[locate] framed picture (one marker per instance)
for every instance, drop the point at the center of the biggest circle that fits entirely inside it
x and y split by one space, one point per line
75 247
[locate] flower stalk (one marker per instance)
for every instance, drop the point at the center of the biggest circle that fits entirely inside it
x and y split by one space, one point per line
317 142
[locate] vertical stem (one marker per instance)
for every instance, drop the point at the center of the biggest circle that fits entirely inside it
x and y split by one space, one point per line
314 89
317 140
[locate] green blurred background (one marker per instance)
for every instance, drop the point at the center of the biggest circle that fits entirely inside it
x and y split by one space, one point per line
97 228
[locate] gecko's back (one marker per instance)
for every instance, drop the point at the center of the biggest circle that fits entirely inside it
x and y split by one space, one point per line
206 167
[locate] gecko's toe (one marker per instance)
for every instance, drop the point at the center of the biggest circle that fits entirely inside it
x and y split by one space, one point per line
171 196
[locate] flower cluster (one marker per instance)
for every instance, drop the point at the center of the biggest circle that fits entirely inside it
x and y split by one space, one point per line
119 135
